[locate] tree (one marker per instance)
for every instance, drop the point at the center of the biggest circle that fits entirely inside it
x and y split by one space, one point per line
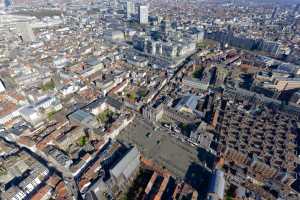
48 86
82 141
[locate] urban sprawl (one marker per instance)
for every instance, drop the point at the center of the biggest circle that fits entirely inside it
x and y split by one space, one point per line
149 100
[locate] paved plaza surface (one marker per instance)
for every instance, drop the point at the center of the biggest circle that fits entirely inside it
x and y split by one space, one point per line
161 147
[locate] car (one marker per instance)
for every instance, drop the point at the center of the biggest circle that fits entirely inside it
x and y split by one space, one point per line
167 125
148 134
177 130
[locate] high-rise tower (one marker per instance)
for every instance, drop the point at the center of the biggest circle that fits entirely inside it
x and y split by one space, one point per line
7 3
130 9
143 14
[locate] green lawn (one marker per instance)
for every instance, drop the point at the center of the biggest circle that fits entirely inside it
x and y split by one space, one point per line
48 86
52 113
3 171
132 95
82 141
198 73
206 44
201 45
105 116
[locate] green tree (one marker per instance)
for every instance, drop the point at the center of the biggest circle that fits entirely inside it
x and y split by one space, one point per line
48 86
82 141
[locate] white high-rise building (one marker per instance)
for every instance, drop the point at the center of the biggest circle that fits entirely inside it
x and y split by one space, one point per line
2 4
25 31
2 86
143 14
130 9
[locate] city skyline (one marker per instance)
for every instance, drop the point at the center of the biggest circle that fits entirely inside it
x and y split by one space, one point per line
149 100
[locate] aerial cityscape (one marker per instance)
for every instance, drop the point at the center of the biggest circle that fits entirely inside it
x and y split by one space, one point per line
149 99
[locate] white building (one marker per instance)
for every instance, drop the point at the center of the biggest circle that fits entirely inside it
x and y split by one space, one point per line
25 31
60 62
45 102
130 9
143 14
2 86
69 89
31 115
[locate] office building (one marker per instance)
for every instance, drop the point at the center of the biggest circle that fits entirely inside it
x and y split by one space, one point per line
217 186
165 26
143 14
7 3
297 6
130 9
25 32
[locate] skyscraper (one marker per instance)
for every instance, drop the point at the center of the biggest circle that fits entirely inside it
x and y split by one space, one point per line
130 9
297 6
7 3
143 14
25 32
2 5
